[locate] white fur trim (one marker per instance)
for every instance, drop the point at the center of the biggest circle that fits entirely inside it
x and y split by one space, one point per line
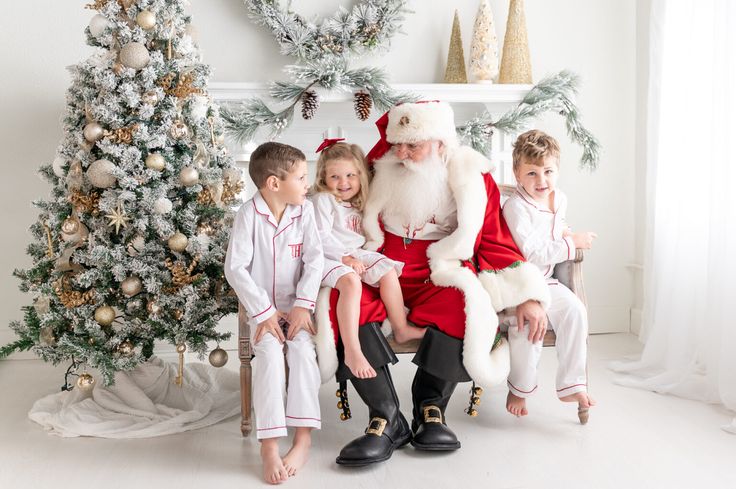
485 367
324 340
415 122
513 286
464 169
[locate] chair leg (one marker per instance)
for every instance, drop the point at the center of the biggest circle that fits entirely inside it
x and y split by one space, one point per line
246 386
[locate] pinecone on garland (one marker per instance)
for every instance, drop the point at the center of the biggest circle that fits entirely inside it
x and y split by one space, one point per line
363 105
310 104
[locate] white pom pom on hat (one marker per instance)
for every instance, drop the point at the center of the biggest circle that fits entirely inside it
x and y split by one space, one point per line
421 121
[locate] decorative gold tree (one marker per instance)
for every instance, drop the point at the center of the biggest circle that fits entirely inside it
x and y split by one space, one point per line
515 64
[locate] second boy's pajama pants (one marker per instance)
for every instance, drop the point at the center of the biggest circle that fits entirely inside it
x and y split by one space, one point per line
569 320
269 384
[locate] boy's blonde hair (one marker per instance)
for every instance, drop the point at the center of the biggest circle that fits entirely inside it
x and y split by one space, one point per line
349 152
272 159
533 146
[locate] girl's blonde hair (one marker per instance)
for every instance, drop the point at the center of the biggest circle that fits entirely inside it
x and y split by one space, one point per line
346 151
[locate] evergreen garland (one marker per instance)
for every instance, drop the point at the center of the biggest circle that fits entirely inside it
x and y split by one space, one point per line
555 93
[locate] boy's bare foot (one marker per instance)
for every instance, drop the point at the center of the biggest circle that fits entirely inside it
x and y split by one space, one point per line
358 364
298 455
582 398
408 333
516 405
584 403
274 471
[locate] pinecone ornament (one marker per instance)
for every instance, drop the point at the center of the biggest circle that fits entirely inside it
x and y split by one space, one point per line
310 104
363 105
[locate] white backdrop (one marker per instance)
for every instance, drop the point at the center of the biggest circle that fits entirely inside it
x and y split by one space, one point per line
595 38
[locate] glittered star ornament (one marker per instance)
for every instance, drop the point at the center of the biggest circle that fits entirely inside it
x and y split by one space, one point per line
118 218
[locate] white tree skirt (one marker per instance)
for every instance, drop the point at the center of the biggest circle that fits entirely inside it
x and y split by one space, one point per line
143 403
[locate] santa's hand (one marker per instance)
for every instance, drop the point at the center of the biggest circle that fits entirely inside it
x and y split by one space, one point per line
533 313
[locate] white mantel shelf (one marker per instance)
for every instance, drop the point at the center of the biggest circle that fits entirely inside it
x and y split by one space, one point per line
448 92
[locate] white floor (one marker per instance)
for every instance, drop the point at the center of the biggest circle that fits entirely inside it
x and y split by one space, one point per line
635 439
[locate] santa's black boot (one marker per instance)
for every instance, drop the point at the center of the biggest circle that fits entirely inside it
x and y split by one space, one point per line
439 358
387 429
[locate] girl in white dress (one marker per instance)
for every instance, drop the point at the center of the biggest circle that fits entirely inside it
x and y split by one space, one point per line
339 193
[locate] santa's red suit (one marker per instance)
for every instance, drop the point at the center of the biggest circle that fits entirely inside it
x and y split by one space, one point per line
461 268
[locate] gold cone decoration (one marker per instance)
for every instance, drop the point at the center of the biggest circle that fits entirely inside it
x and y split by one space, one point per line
515 64
455 71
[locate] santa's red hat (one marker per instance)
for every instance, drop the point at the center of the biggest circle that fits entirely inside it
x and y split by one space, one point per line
412 123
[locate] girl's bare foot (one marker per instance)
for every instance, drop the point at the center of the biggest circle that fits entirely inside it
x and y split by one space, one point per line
298 454
408 333
516 405
274 471
358 364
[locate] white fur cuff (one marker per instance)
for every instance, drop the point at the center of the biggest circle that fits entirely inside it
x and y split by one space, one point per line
514 286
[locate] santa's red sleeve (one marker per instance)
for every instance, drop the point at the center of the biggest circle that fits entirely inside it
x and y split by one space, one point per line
507 277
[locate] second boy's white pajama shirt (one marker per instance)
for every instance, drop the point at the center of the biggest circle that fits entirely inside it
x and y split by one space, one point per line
537 232
274 266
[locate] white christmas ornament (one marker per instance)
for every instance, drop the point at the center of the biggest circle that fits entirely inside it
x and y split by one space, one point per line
146 19
189 176
155 161
100 174
484 46
93 132
134 55
58 166
98 24
162 206
198 107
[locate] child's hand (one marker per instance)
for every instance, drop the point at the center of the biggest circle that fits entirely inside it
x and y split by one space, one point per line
270 325
566 232
355 264
584 240
299 318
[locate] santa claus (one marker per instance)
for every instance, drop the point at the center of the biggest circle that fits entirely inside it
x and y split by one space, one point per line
434 206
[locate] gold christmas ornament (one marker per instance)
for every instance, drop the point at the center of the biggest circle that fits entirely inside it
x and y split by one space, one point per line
455 71
146 20
118 218
205 197
136 245
72 298
85 382
49 241
131 286
117 67
178 314
134 55
178 242
126 4
82 203
73 231
181 275
180 349
189 176
230 190
126 348
96 5
93 132
75 177
46 336
205 228
122 135
150 98
155 161
515 62
218 357
178 130
104 315
42 304
100 173
153 307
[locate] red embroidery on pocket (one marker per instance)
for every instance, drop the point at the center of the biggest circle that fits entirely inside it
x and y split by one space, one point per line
296 250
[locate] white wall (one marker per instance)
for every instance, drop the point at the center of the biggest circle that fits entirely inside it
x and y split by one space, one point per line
595 38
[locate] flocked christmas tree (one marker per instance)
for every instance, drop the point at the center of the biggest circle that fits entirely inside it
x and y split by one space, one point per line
129 248
484 46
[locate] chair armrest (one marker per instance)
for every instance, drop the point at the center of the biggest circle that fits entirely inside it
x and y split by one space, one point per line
570 273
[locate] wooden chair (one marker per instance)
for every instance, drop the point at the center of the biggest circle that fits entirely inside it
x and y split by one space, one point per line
569 273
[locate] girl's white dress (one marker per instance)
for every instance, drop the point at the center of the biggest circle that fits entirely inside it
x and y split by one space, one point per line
340 227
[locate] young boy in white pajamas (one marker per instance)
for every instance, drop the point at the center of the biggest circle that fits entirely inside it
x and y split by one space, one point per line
535 215
274 262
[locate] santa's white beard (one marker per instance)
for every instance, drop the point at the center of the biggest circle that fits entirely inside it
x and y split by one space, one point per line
413 191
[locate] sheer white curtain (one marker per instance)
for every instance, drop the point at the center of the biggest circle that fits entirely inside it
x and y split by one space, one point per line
689 317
